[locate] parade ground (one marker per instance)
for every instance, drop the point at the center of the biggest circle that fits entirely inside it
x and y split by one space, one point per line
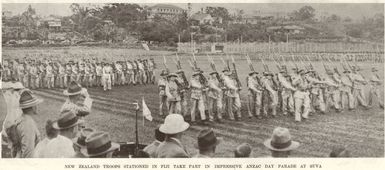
360 131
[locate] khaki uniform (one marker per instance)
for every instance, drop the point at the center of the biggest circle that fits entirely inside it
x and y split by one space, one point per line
49 78
358 90
162 95
254 96
374 93
215 97
99 72
286 94
173 97
269 97
301 98
197 99
233 102
346 92
106 77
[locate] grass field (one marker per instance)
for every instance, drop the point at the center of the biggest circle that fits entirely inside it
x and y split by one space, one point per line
361 131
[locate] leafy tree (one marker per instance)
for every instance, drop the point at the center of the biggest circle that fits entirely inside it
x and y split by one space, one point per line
305 13
219 12
121 13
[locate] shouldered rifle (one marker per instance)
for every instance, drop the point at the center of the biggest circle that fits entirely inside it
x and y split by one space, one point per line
236 73
164 64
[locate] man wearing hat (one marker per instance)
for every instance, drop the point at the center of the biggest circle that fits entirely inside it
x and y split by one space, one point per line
286 93
331 89
280 144
301 96
374 93
24 133
129 73
151 149
68 76
162 93
74 72
172 92
99 145
78 100
106 77
68 124
182 81
215 96
346 90
254 95
80 141
269 95
207 143
197 97
49 78
62 80
317 102
99 72
230 95
172 147
151 69
359 84
242 151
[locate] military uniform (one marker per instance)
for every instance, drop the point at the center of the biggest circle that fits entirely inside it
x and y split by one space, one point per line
106 77
254 96
183 92
49 78
197 97
346 91
129 73
358 89
231 97
301 98
173 97
99 72
374 93
287 100
269 95
214 96
162 93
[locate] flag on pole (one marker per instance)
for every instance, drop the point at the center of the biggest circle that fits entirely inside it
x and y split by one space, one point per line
146 111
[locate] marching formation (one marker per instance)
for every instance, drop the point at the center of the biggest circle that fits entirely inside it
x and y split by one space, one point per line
48 73
300 92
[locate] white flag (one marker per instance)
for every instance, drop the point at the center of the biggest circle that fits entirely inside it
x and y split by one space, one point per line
146 111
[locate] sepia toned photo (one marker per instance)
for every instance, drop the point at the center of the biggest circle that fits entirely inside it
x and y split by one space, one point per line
192 80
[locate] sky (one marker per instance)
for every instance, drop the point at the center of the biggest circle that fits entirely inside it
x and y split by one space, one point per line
353 10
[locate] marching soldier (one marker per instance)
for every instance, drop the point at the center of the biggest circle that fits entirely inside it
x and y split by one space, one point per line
230 95
21 74
301 96
33 72
141 75
286 93
99 72
49 76
62 80
358 88
119 73
42 74
106 77
269 95
74 73
136 72
332 93
197 97
87 75
214 97
151 70
375 85
346 90
129 72
172 92
182 81
162 93
254 95
316 95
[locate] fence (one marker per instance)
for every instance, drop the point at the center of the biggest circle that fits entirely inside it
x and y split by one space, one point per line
292 47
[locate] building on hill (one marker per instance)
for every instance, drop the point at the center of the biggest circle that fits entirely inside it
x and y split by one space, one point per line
53 24
201 18
166 11
291 29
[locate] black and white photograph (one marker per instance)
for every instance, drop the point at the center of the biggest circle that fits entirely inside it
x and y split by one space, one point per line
192 80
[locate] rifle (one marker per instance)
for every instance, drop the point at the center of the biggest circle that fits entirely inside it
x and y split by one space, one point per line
212 64
249 63
179 66
236 73
165 64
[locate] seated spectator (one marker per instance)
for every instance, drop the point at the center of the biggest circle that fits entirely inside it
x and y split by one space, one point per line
280 144
99 145
80 141
68 124
339 152
242 151
151 149
207 143
173 126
